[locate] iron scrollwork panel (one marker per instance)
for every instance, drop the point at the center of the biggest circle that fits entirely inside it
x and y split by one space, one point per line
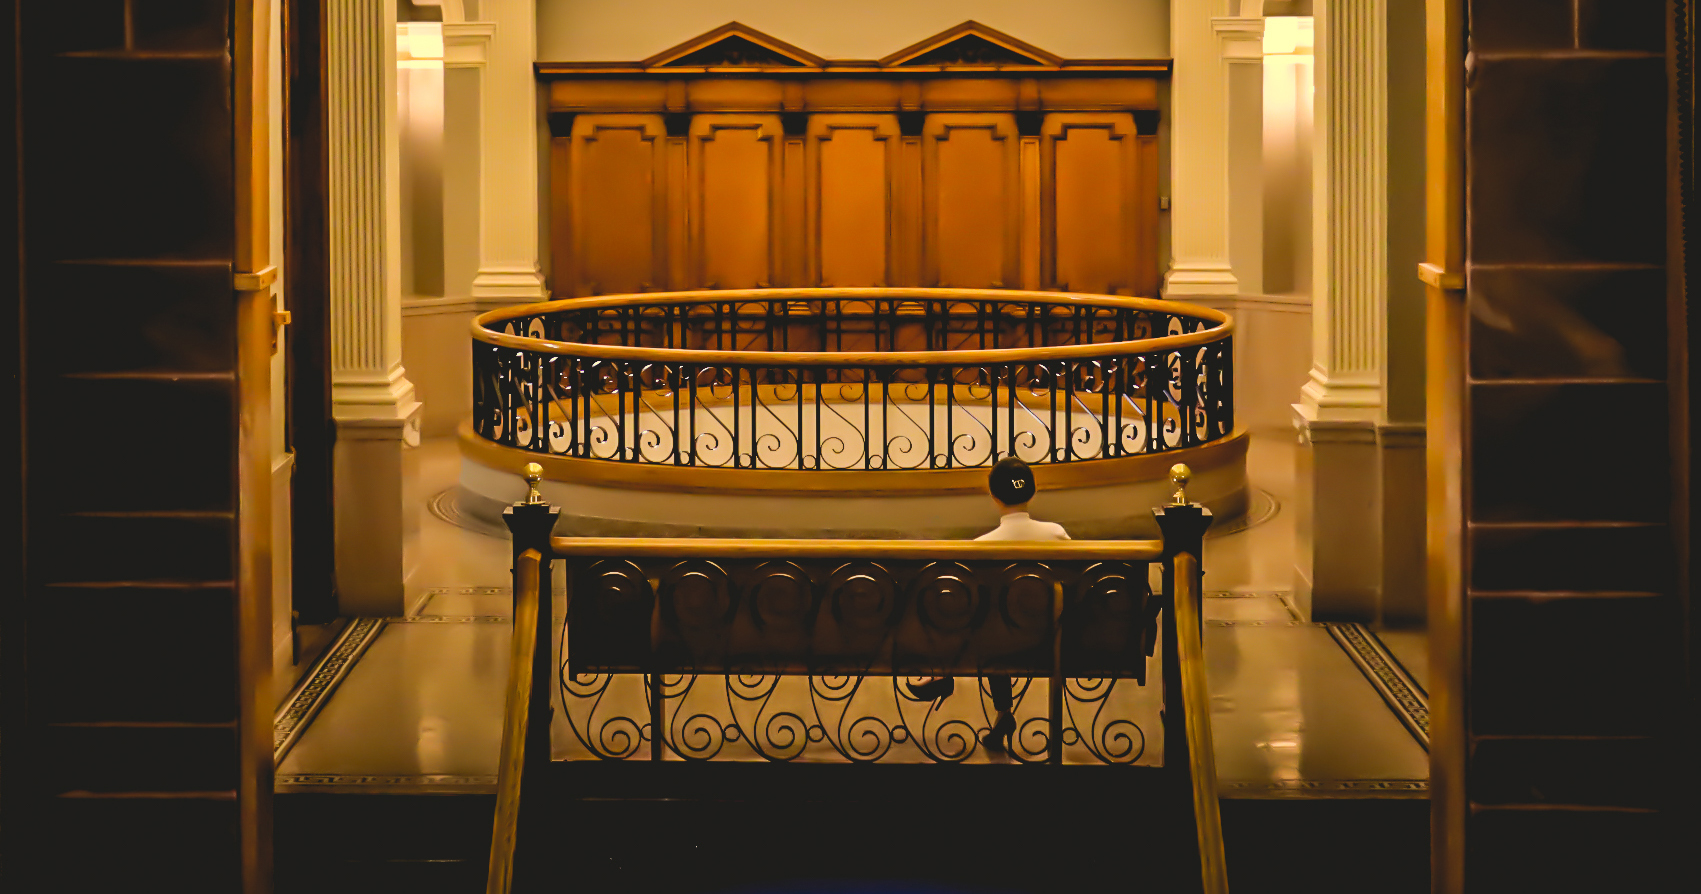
783 661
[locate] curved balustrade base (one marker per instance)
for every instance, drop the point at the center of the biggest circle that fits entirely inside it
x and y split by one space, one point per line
1099 499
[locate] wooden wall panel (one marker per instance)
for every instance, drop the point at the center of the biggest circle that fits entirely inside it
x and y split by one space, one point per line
852 161
842 182
618 204
1090 200
972 208
736 200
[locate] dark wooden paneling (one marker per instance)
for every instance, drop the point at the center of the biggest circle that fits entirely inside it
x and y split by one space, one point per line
1572 450
122 701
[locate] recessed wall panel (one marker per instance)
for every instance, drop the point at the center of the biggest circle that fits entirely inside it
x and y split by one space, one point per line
1093 237
972 207
851 163
735 174
618 206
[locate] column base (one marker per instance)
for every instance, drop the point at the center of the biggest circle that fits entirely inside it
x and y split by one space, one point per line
1359 521
1405 569
1190 280
1337 505
509 285
377 513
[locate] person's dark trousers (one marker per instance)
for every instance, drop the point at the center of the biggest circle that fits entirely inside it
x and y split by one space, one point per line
1002 691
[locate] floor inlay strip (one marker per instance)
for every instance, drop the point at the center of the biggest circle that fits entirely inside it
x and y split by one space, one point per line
365 781
453 619
1325 788
1404 696
314 691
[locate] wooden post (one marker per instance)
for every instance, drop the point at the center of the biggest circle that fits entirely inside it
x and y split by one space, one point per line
1188 748
532 521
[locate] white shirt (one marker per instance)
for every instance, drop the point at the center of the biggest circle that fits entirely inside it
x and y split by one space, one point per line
1018 526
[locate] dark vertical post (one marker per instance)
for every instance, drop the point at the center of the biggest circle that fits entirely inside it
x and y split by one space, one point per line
1055 696
531 522
308 429
1187 738
658 740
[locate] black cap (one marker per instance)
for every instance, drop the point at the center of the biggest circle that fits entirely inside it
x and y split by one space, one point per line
1012 482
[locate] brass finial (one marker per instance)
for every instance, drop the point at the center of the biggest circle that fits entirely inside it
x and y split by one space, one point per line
1180 474
534 474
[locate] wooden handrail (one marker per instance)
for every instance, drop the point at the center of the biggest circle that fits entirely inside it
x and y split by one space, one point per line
942 550
1223 328
1201 757
515 722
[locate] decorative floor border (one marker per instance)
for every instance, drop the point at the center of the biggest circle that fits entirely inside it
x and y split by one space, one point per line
363 782
453 619
1404 696
1311 789
315 689
1285 597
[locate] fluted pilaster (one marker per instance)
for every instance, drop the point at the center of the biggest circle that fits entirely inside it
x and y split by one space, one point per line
367 379
372 400
1350 212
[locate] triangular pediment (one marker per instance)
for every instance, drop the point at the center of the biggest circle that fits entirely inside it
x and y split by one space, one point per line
734 45
971 44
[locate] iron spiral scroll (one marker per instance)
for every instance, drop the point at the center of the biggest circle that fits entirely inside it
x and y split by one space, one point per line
786 661
852 379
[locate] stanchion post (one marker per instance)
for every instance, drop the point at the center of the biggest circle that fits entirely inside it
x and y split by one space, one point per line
1187 707
532 521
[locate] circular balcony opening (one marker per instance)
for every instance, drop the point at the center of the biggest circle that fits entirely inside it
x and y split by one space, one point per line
850 412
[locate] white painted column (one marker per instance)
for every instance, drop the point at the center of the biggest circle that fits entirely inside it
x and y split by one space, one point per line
1241 43
372 400
1349 211
1198 157
466 50
1338 415
509 238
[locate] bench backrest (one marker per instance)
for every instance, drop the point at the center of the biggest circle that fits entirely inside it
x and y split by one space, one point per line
853 607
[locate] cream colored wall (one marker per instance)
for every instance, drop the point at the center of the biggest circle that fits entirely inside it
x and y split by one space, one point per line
625 30
420 122
437 353
1273 314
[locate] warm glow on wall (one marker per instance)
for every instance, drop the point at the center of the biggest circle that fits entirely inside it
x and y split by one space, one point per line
1287 36
419 42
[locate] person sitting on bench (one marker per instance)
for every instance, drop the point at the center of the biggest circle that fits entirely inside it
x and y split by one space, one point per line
1012 486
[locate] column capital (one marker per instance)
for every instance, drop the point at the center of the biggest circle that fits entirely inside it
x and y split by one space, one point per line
467 44
1240 38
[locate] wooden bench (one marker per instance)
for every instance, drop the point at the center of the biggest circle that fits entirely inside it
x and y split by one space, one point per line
745 616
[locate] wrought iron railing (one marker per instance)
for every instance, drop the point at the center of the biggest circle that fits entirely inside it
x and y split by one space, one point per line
842 379
706 632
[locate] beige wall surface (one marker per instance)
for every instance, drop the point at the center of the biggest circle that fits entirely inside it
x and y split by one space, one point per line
627 30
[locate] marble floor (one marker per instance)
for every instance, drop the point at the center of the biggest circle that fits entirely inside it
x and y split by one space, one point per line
1298 709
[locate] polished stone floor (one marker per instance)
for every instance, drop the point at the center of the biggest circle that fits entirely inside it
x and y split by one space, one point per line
417 701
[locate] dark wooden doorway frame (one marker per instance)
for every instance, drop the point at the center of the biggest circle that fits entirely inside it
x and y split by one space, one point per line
310 431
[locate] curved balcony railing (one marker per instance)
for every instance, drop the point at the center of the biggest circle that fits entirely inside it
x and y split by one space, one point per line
852 379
